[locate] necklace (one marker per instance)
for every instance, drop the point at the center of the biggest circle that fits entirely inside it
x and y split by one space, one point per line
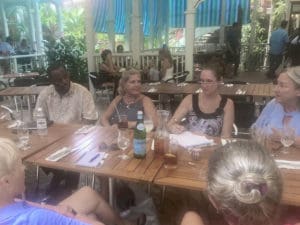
128 101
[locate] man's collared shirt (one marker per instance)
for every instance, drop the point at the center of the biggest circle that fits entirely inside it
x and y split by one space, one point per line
74 106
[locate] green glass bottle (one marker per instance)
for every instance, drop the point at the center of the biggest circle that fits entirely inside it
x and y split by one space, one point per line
139 138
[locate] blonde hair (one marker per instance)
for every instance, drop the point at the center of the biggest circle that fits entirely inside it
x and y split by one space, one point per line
244 180
8 156
124 78
294 74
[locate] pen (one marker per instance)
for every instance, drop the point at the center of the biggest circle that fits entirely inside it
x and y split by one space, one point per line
94 157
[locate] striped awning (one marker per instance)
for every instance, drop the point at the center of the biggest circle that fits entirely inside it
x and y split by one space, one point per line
156 18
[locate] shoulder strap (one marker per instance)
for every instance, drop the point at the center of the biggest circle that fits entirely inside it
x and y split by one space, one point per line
223 102
195 101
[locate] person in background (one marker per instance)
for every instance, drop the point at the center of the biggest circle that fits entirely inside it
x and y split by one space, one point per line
278 42
67 103
284 109
5 50
120 49
208 112
233 45
23 49
166 64
294 48
129 101
244 185
84 206
107 64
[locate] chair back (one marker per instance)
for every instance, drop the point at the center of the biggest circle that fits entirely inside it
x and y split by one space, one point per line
24 81
179 77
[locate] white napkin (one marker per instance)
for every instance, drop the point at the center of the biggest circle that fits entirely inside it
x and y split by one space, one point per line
154 83
59 154
91 159
199 90
85 129
181 84
188 139
152 90
287 164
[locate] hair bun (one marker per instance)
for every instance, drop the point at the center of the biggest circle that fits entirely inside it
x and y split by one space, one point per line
250 188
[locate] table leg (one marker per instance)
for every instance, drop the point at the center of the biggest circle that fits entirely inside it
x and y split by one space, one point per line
111 191
29 108
37 178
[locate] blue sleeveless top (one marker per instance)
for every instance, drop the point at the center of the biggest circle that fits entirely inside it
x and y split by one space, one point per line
207 123
125 109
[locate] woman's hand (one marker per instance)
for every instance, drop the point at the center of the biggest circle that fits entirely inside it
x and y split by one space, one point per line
275 135
176 128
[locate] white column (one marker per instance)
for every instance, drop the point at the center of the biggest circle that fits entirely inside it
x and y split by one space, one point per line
223 23
136 31
59 18
39 32
111 25
189 37
31 26
3 16
90 35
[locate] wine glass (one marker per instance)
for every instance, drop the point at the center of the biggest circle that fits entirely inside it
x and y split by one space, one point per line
148 123
123 143
287 138
23 136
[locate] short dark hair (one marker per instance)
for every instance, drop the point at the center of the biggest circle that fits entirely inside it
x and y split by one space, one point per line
55 66
105 53
284 23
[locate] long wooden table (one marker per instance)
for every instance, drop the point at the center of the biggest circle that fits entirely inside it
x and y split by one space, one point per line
193 175
255 90
22 91
37 143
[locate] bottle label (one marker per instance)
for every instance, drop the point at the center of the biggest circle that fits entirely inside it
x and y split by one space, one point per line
139 146
41 123
140 126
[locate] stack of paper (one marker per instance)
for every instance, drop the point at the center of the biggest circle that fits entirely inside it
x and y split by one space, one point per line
188 139
59 154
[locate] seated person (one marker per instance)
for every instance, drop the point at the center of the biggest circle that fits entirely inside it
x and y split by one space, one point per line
83 207
284 109
166 64
65 102
107 64
244 185
208 112
129 101
23 49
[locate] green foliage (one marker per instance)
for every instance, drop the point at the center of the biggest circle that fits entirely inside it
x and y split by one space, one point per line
66 50
279 12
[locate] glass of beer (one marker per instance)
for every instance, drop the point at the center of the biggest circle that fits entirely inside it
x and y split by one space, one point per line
170 156
123 122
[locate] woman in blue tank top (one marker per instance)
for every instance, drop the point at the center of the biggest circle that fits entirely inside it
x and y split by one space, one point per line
208 112
129 101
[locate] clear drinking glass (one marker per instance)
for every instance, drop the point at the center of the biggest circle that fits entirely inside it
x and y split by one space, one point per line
148 123
287 138
23 136
123 143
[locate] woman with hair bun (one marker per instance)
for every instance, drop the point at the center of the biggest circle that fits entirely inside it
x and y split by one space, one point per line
244 185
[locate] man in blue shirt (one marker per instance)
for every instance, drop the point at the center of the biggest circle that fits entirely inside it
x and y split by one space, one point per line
278 42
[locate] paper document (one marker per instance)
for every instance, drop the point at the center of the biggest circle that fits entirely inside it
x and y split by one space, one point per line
91 159
287 164
59 154
188 139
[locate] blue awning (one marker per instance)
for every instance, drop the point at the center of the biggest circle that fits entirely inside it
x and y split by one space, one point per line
155 18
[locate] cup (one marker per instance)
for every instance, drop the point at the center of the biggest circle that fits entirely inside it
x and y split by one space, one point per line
171 155
23 136
123 122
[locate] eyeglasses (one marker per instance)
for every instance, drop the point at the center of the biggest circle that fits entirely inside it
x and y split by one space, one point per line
208 82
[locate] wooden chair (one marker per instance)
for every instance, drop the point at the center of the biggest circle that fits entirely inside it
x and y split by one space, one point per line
179 77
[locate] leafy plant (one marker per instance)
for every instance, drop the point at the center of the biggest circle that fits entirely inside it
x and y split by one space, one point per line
66 50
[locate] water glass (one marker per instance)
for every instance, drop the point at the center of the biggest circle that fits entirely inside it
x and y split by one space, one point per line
171 155
123 143
287 138
23 136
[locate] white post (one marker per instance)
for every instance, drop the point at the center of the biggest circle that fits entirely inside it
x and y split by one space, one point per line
222 28
3 16
39 32
59 18
90 35
111 25
136 31
189 37
31 27
253 26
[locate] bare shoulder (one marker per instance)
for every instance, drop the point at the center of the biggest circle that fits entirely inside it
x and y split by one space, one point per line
229 103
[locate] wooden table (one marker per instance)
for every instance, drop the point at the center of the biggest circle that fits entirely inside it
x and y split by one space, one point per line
113 167
37 143
16 75
259 90
22 91
193 176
